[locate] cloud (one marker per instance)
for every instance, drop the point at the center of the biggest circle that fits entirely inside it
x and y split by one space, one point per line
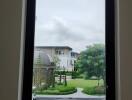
75 23
59 28
59 31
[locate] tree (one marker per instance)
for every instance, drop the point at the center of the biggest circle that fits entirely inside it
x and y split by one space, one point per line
65 78
56 61
91 61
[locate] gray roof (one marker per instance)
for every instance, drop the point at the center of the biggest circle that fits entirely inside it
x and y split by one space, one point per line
42 58
75 53
57 47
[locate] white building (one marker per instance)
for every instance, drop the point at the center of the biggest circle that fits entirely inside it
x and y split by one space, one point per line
63 54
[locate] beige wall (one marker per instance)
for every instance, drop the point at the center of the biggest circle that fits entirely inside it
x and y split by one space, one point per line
125 30
10 35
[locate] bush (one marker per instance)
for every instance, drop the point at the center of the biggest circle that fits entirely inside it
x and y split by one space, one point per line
49 92
94 78
94 90
65 88
58 90
76 75
59 83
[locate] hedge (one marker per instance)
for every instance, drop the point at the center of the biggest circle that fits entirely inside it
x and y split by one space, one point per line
60 90
99 90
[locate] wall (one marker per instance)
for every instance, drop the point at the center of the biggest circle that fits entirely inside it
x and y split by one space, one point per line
125 32
10 36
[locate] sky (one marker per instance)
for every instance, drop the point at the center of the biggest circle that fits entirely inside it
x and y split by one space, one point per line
73 23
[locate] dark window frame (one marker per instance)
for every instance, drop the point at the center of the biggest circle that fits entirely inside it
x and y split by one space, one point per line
29 48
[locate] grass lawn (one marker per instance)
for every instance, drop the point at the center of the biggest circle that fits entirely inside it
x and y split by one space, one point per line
89 86
84 83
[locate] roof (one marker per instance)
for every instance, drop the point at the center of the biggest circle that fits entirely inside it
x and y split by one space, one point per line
75 53
67 47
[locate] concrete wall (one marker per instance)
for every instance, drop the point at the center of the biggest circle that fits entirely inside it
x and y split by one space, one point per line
10 36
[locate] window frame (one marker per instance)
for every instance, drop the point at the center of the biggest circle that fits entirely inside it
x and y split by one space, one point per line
29 49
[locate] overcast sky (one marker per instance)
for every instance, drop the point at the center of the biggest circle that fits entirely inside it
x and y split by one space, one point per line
74 23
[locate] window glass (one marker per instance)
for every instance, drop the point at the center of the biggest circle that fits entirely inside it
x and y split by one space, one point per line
69 54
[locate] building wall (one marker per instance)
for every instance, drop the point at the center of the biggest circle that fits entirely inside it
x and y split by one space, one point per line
65 59
10 43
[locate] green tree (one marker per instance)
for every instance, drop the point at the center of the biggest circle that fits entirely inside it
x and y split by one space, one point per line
91 62
65 78
56 61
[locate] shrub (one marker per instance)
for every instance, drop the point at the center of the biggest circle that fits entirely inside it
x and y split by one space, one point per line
48 92
94 90
65 88
59 83
94 78
76 74
58 90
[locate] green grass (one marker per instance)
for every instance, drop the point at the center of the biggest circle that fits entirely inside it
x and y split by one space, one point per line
89 87
84 83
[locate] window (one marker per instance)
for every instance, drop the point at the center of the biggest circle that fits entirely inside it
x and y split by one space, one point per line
83 59
72 54
72 62
59 52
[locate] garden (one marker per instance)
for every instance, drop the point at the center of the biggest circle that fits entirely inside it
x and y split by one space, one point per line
88 74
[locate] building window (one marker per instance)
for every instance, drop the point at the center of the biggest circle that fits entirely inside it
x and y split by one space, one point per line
71 62
72 54
59 52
